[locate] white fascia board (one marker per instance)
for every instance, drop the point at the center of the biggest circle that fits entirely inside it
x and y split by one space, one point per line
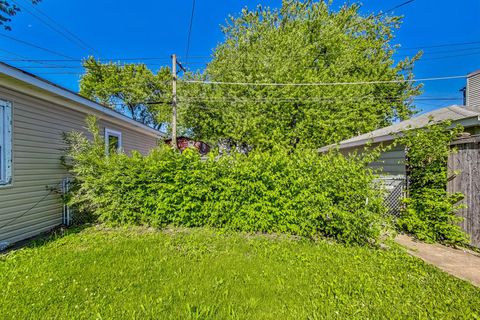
466 123
357 143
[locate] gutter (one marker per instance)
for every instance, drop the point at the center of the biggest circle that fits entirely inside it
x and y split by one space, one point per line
465 122
57 90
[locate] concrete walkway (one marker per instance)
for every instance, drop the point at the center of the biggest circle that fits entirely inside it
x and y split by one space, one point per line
462 264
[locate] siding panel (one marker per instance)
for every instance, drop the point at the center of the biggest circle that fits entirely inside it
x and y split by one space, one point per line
473 91
38 126
391 162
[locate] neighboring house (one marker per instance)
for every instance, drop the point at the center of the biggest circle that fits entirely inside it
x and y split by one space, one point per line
34 114
186 142
467 161
393 161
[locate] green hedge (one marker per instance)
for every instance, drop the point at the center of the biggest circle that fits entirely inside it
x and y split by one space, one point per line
301 193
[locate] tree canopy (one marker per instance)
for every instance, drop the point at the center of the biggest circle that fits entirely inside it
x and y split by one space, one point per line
359 86
8 10
301 42
130 88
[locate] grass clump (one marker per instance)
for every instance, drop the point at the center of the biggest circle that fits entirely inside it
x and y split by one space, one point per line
200 273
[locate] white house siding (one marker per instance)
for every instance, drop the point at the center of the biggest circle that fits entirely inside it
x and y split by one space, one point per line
391 162
38 126
473 90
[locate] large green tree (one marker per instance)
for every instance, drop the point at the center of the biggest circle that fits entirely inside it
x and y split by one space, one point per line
301 42
132 89
8 10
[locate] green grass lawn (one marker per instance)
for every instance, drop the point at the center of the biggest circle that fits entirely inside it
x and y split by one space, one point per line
198 274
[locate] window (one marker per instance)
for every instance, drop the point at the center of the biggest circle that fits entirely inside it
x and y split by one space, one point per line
5 142
113 141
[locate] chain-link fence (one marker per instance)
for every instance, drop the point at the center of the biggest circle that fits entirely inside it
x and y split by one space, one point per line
395 187
72 217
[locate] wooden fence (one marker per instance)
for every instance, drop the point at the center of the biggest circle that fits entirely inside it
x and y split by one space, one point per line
467 163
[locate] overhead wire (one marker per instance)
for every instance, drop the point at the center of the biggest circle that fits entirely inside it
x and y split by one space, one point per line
441 45
51 67
259 84
23 57
451 56
62 27
187 57
383 13
187 51
299 84
71 66
36 46
398 6
202 60
198 64
449 51
209 57
52 27
249 99
311 100
234 100
103 59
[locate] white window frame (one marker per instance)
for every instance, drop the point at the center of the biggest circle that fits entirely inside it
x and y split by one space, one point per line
5 143
113 133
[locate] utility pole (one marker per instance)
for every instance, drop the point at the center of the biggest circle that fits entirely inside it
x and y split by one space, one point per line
174 102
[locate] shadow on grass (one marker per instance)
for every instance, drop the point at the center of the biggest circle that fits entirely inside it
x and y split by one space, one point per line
45 237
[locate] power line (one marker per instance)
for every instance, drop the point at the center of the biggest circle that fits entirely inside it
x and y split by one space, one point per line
189 33
441 45
73 66
204 59
219 103
80 60
60 73
244 101
398 6
49 25
450 51
198 64
23 57
78 39
320 83
51 67
429 56
316 99
67 67
450 56
383 13
376 16
36 46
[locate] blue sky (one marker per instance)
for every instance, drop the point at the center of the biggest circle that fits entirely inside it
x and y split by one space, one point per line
156 29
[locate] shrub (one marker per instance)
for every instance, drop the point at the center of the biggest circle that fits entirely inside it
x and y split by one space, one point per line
430 212
301 193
